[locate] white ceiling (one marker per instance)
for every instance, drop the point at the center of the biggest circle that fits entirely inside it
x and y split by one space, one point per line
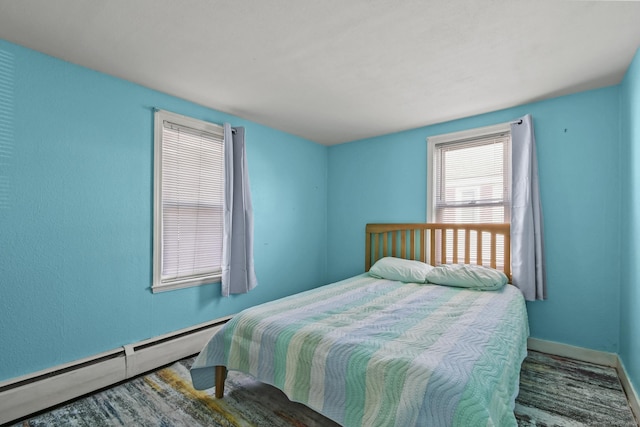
339 70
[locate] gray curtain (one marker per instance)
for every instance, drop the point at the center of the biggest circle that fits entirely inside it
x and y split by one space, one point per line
238 274
527 248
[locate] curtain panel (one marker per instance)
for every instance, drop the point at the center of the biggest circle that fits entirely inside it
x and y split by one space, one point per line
238 275
527 247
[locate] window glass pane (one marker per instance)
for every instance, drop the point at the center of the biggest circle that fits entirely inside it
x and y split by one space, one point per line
471 214
473 173
192 237
472 180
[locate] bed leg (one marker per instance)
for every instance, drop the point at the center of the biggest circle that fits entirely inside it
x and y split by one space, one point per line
221 375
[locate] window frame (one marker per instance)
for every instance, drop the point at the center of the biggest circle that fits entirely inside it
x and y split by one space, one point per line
453 138
158 284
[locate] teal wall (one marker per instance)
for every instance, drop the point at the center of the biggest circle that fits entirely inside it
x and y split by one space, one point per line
383 179
630 280
76 185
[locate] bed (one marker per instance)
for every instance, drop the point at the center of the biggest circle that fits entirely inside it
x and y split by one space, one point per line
373 351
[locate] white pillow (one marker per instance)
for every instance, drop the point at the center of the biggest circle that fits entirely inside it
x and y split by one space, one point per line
403 270
467 276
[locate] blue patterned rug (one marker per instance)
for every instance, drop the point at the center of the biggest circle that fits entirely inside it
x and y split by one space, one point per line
553 392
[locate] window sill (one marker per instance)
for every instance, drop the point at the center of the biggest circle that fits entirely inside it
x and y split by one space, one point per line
172 286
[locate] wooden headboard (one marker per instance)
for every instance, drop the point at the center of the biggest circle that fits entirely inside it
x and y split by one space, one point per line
484 244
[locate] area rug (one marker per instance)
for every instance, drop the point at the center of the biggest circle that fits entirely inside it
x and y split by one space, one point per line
166 398
553 392
556 391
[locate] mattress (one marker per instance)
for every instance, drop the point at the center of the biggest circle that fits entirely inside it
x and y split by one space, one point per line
376 352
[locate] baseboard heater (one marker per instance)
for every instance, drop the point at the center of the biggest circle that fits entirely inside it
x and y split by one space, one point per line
32 393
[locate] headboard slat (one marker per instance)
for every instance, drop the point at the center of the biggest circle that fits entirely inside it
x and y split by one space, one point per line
507 255
443 247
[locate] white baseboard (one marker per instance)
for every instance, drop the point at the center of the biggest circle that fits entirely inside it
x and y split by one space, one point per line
34 392
578 353
632 394
26 395
602 358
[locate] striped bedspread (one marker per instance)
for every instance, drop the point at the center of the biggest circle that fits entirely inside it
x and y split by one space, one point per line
374 352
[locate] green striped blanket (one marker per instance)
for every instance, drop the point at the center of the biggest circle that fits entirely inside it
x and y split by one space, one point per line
374 352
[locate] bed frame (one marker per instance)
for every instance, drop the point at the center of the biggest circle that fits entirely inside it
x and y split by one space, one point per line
483 244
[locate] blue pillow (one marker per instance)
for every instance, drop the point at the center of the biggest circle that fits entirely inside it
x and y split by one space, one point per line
467 276
403 270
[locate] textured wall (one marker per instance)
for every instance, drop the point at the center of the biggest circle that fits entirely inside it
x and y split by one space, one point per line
630 281
76 220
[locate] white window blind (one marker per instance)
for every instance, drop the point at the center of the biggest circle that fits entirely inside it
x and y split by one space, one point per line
470 182
189 217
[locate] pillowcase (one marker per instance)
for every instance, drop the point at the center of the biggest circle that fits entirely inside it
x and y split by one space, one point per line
403 270
467 276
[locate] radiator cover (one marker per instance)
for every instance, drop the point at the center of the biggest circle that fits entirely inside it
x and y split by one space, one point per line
35 392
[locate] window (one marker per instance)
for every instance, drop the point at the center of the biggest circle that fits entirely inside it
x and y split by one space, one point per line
188 201
469 177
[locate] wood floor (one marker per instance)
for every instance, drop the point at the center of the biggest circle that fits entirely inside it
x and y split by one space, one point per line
554 391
